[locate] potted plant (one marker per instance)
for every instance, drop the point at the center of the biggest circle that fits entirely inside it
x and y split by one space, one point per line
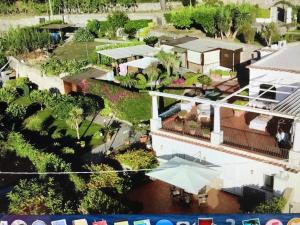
206 132
142 130
178 125
192 125
238 112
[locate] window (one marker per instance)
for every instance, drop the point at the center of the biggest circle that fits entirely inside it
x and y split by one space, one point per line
269 181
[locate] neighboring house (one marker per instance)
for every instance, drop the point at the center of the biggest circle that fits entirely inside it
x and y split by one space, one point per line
78 82
281 66
241 140
202 55
131 54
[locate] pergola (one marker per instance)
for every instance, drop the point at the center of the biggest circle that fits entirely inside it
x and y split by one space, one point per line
288 108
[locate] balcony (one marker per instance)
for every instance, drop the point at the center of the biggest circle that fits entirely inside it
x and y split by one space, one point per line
235 127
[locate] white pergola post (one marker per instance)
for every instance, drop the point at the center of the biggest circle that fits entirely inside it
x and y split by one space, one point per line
155 122
217 134
294 154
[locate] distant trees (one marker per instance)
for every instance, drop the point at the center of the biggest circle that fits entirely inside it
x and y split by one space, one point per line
214 18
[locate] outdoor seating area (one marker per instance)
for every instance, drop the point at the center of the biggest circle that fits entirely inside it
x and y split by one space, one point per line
248 126
155 197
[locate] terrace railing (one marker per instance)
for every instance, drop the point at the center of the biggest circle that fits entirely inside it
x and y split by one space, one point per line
267 150
183 128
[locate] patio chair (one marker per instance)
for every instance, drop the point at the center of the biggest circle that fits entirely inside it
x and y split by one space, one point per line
204 111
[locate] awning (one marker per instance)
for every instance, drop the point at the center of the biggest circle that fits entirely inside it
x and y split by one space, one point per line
142 63
190 176
127 52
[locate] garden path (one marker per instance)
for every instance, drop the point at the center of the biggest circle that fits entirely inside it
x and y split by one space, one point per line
117 140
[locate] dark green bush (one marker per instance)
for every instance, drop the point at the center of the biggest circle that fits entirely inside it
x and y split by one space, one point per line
93 26
152 40
3 60
83 35
167 17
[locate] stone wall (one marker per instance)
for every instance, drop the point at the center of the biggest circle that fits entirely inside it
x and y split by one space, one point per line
36 76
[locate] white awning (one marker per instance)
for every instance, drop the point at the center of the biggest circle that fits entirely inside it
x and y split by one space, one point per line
127 52
142 63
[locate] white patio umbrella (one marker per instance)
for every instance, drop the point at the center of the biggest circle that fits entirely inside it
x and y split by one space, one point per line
187 175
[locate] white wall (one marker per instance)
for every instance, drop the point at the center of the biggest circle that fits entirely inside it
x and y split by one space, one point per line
35 75
271 76
235 171
194 57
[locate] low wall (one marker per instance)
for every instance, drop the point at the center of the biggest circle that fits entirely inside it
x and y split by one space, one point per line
36 76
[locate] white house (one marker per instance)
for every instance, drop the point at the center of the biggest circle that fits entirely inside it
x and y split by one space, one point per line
280 67
244 148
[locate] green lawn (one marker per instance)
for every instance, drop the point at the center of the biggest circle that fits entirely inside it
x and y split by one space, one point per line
58 128
76 50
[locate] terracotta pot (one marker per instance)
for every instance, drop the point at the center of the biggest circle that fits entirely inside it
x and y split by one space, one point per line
192 132
143 138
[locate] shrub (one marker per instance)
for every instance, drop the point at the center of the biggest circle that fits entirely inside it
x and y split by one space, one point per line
34 123
205 80
55 66
68 151
16 111
21 40
93 26
97 201
8 95
248 33
205 18
104 27
152 40
3 59
137 159
275 205
33 197
131 31
167 17
83 35
182 18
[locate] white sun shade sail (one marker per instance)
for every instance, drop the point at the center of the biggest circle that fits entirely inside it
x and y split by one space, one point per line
187 175
127 52
142 63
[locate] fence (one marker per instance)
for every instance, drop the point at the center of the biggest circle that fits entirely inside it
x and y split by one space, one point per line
256 147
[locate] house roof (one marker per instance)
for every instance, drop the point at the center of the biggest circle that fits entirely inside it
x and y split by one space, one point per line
206 44
285 59
290 105
127 52
87 74
178 41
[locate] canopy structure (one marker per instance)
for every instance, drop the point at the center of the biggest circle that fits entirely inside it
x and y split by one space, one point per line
127 52
142 63
190 176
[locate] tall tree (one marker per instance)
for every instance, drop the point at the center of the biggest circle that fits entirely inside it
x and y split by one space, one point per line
75 118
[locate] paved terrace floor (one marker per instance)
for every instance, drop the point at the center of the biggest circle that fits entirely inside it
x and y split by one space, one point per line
238 134
156 199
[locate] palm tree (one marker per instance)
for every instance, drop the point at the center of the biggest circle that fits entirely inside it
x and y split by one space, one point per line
169 61
75 118
152 72
127 81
